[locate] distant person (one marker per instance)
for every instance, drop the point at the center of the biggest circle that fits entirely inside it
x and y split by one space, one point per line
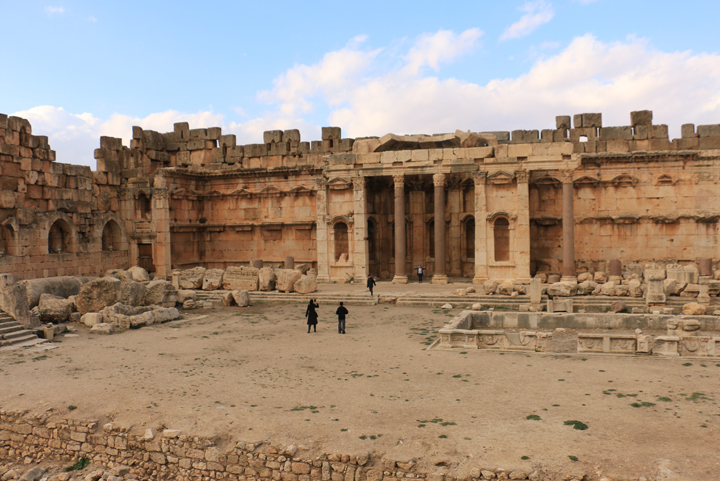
370 284
420 272
311 315
341 313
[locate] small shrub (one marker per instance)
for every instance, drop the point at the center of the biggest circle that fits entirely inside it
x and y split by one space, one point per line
574 459
533 417
579 425
79 465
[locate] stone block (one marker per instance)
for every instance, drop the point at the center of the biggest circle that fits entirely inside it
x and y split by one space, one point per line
592 120
272 136
577 121
292 135
641 117
616 133
688 131
562 122
228 141
525 136
331 133
240 278
708 130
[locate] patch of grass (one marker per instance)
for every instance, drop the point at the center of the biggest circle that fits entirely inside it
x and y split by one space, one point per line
664 399
574 459
524 458
687 364
579 425
442 436
422 425
72 408
302 408
533 417
39 358
79 465
343 430
363 437
696 396
457 376
642 404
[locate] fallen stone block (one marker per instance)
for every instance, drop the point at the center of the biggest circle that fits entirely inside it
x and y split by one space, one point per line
242 298
286 279
305 285
132 293
103 328
138 274
160 293
240 278
165 314
98 294
92 318
213 279
694 309
192 278
54 309
266 279
490 287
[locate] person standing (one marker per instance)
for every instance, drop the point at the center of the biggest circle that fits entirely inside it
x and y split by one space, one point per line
341 313
420 272
370 284
312 315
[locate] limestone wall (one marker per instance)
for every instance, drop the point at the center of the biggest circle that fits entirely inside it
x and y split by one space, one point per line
53 215
171 454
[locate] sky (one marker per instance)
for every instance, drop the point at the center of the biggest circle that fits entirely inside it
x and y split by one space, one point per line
81 69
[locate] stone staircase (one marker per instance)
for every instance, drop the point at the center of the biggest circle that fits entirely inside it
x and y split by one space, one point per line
13 334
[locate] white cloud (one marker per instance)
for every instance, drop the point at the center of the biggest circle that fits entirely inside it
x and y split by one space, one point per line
537 13
586 76
54 10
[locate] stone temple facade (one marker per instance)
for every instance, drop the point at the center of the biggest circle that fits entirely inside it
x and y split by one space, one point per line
474 205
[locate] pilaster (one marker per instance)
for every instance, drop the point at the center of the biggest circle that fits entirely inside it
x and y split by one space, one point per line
522 229
481 259
440 275
568 269
322 247
400 241
162 247
360 234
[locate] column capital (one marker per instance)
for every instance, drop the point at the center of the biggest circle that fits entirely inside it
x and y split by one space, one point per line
358 183
321 182
480 178
566 176
399 180
439 180
521 176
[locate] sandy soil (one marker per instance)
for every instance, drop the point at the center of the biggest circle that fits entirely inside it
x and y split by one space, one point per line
255 374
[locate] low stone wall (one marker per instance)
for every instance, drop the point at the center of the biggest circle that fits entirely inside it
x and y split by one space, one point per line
28 439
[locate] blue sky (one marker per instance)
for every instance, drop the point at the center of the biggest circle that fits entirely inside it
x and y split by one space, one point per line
80 69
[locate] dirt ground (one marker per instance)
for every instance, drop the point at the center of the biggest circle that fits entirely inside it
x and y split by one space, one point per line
256 374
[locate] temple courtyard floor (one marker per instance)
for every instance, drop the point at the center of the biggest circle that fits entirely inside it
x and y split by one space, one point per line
255 374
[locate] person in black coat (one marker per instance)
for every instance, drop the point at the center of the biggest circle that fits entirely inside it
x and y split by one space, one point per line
312 315
341 313
370 284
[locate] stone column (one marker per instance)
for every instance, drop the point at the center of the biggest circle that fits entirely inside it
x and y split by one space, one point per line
481 265
522 229
400 243
323 261
568 270
440 276
161 225
360 232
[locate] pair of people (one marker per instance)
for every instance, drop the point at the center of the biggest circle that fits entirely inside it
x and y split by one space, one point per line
312 316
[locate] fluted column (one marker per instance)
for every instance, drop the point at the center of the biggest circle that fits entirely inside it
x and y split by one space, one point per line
568 269
481 258
400 241
322 249
440 275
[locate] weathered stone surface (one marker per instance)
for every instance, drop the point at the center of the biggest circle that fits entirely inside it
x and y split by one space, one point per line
161 293
184 295
192 278
213 279
618 306
302 268
694 309
635 288
91 318
242 298
62 286
669 287
102 329
690 325
97 294
622 290
266 279
305 285
165 314
600 277
505 288
33 474
586 288
286 279
490 286
584 276
562 289
691 290
477 307
228 299
240 278
132 293
446 306
607 289
188 304
138 274
54 309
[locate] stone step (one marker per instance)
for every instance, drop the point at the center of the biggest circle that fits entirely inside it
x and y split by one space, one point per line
21 334
8 329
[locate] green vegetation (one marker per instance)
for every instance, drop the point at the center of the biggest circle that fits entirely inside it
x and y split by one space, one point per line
579 425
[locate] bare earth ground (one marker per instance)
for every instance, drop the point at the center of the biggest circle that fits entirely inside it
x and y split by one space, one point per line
255 374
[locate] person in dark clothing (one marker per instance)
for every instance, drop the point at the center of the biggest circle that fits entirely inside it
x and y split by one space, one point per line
370 284
420 272
341 313
312 315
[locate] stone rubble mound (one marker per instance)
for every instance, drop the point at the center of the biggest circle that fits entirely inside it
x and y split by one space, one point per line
302 279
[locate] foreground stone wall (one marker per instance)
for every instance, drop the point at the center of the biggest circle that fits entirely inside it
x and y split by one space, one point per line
172 454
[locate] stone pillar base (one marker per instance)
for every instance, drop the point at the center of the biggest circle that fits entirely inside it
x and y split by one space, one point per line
572 279
438 279
479 280
400 280
323 279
